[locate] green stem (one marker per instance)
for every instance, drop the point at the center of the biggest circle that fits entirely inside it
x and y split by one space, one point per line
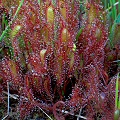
16 13
119 6
111 6
116 94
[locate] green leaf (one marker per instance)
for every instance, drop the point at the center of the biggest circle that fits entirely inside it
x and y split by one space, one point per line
117 21
117 100
116 93
114 28
14 17
119 103
119 6
15 31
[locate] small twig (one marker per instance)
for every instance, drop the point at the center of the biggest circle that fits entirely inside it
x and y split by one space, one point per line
116 61
45 113
10 95
5 117
8 110
79 116
79 113
63 111
16 97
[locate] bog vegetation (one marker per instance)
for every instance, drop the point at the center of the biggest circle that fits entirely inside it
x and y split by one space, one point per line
59 59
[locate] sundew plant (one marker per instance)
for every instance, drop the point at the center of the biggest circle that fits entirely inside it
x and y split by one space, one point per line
59 59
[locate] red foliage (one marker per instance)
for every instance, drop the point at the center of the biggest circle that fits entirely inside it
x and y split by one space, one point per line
51 65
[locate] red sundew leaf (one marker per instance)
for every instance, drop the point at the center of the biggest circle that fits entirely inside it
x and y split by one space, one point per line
12 66
67 12
27 92
42 56
94 10
16 47
97 34
31 25
109 106
90 55
36 83
35 62
105 76
62 60
50 14
30 95
72 59
92 78
73 7
45 34
59 78
27 83
25 108
31 14
63 8
47 87
11 71
112 85
76 98
58 107
65 35
65 45
14 69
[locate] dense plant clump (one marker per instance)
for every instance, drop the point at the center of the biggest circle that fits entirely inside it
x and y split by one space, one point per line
57 59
